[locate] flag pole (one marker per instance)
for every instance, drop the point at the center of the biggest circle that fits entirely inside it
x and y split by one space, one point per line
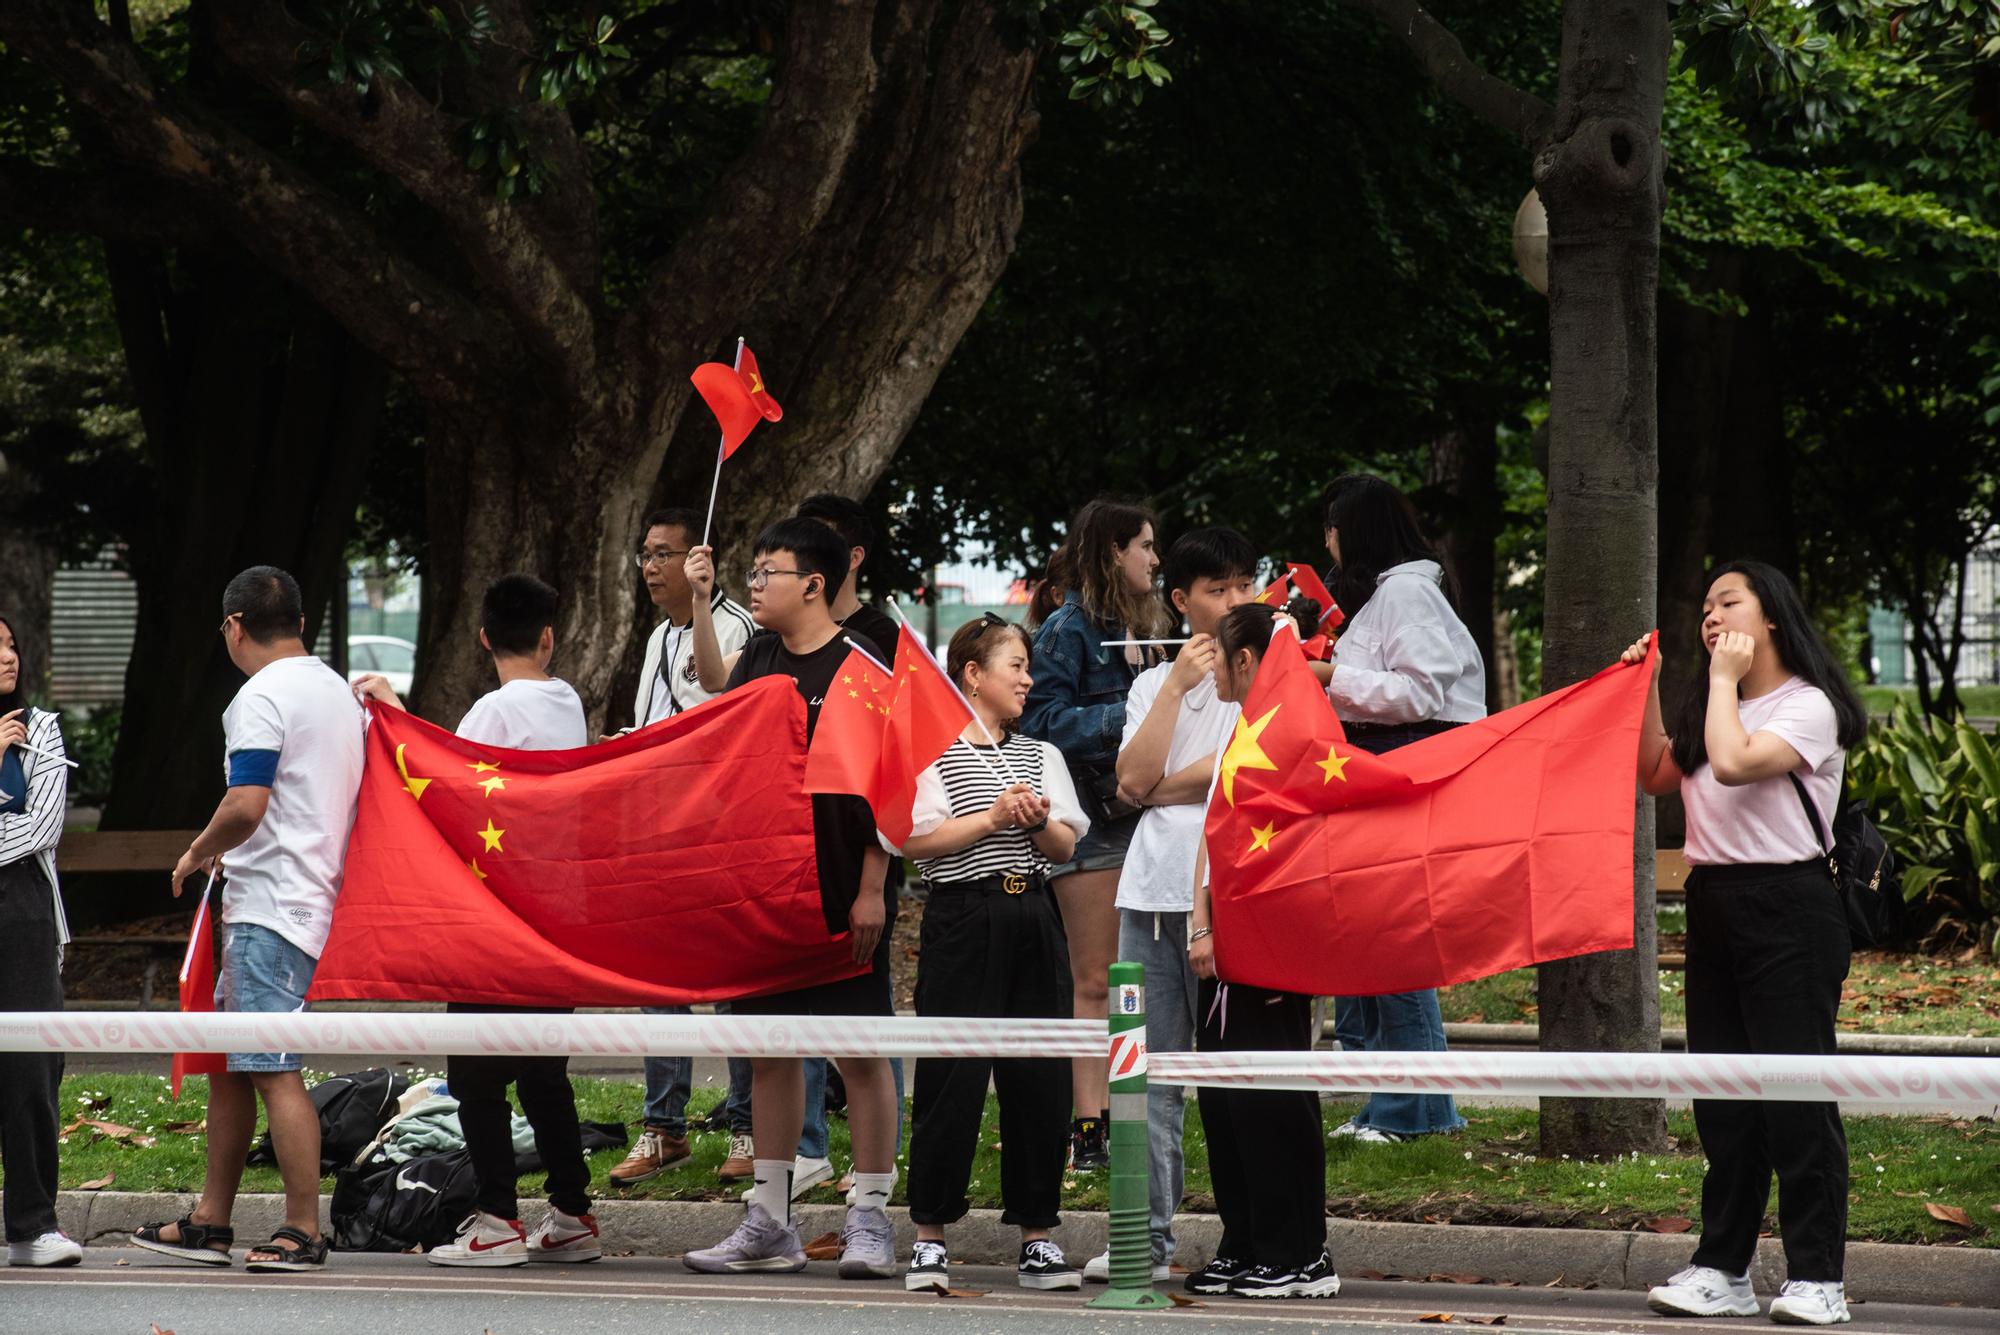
984 731
720 444
200 925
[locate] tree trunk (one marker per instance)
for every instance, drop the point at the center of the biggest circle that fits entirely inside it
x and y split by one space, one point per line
27 577
1599 173
1464 465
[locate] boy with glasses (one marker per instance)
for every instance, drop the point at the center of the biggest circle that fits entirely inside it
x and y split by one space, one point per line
798 563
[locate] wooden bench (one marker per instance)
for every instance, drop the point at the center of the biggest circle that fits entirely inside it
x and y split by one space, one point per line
127 851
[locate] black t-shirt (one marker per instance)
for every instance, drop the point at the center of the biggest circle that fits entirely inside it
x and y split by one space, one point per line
843 826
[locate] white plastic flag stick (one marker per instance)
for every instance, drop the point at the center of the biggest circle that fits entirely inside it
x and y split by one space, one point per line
47 755
983 730
720 444
1119 644
200 925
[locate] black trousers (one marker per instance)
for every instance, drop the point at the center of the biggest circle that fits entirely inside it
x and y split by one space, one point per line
1767 950
1266 1148
991 954
547 1101
29 981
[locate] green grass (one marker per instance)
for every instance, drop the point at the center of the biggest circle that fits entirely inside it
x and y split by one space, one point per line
1486 1174
1885 994
1977 701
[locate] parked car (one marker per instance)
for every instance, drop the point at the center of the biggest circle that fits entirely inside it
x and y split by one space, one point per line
393 658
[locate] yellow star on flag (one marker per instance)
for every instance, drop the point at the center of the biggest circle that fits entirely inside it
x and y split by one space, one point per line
474 864
1335 765
482 767
492 783
491 836
416 786
1260 836
847 679
1246 752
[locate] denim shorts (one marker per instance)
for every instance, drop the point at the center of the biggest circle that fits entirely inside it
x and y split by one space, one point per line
1102 847
262 972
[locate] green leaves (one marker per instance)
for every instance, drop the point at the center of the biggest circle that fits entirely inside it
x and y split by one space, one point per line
1110 50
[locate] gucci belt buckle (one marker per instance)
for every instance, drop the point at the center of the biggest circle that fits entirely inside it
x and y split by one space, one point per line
1014 883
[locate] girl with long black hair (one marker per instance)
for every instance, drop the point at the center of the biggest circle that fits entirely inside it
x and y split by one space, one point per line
1405 668
34 787
1762 736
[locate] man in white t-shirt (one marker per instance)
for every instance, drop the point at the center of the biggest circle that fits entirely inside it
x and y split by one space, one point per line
532 711
1174 725
293 738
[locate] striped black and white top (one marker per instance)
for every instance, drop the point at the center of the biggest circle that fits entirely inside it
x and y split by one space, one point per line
35 832
962 783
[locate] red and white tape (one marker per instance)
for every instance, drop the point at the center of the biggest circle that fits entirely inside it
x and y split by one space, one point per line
1972 1081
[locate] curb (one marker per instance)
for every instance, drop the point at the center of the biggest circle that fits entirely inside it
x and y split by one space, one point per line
1577 1258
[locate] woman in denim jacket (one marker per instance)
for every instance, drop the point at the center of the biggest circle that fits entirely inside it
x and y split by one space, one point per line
1105 572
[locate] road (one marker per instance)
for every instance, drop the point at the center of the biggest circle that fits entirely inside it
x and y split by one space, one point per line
126 1291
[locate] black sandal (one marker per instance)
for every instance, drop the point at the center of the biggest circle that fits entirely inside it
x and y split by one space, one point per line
207 1244
309 1254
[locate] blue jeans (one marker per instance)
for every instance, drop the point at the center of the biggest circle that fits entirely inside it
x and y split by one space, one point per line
262 972
1397 1022
669 1081
1158 941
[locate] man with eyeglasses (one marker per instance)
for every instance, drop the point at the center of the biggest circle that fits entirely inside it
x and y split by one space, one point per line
668 685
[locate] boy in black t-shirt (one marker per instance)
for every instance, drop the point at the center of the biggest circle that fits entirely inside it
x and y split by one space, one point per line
798 563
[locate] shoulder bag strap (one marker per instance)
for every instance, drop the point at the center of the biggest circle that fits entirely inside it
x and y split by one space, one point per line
1812 814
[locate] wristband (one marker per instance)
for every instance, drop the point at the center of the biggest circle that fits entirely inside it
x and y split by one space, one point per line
1198 933
1037 827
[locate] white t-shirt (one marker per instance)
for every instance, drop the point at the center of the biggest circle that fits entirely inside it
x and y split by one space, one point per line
528 716
1405 657
1765 821
1158 876
286 874
667 680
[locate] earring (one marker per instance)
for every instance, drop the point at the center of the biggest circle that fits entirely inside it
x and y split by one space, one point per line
975 692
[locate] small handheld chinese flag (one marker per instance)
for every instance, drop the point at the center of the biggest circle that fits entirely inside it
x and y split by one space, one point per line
198 993
876 735
737 397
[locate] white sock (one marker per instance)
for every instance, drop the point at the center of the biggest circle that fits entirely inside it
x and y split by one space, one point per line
871 1190
773 1189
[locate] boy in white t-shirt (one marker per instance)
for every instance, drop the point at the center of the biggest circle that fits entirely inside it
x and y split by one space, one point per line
531 711
293 739
1174 725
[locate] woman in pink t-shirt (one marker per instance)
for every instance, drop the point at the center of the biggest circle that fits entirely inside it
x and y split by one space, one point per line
1767 944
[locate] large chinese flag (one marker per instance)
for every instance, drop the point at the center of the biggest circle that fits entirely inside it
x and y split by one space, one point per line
198 992
669 866
878 731
1489 847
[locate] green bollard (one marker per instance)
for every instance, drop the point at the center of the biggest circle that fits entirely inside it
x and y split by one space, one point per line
1131 1228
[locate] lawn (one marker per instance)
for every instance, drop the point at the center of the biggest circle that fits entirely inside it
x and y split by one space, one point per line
1981 701
1885 994
1486 1174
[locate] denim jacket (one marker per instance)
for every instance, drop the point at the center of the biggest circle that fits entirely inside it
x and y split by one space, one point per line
1077 703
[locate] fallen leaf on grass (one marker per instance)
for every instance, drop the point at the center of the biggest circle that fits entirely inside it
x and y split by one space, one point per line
1948 1214
825 1247
1182 1300
1668 1224
195 1128
99 1185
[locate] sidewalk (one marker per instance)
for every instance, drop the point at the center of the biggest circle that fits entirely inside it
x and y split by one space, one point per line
1581 1258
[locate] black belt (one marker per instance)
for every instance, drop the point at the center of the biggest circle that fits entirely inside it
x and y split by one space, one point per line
1005 883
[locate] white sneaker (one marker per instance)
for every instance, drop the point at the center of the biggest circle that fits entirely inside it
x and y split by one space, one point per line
52 1248
759 1243
1350 1127
1811 1302
1702 1290
867 1241
1098 1269
484 1240
806 1174
566 1238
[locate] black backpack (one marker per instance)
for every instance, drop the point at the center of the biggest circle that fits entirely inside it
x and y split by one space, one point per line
352 1108
1864 870
379 1206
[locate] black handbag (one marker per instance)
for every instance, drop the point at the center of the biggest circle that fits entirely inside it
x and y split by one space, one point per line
1864 871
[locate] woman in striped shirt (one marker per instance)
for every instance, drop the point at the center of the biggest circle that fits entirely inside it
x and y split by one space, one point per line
34 785
991 817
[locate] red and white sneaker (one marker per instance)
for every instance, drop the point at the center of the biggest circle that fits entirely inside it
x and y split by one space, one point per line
565 1238
484 1240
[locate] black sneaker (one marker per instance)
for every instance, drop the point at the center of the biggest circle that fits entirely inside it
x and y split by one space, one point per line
1043 1266
1087 1149
1268 1281
1215 1277
929 1268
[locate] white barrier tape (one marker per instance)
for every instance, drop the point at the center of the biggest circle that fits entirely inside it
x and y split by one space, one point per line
434 1034
1671 1075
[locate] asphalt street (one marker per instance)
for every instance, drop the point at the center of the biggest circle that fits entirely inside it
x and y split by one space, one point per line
127 1291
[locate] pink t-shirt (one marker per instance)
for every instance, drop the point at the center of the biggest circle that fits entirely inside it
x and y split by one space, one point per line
1764 821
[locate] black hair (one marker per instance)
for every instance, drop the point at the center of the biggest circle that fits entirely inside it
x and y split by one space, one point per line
1378 529
1246 627
1800 648
848 517
816 549
18 697
680 517
1207 553
515 611
266 603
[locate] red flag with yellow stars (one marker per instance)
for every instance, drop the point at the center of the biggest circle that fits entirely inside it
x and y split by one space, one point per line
1490 847
669 866
737 396
1303 580
878 731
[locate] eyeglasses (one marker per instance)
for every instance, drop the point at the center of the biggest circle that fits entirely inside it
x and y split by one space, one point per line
224 627
644 559
757 578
